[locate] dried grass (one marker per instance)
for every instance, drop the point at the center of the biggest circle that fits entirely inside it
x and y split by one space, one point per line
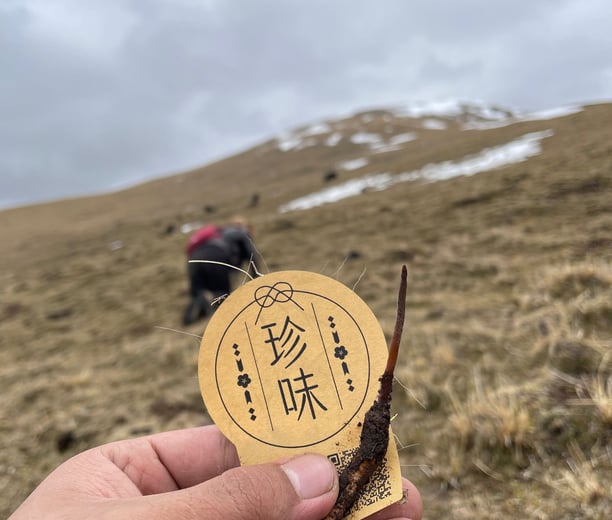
496 287
580 480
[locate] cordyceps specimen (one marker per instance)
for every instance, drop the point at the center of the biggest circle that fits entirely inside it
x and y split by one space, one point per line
375 433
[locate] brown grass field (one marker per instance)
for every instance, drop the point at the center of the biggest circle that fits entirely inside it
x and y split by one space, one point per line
505 403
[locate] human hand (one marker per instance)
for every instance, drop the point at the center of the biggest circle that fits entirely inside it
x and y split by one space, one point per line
191 474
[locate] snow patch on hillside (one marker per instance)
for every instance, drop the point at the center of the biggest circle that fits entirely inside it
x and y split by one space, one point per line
366 138
434 115
333 139
402 138
434 124
350 188
451 109
379 144
518 150
513 152
317 129
288 142
353 164
540 115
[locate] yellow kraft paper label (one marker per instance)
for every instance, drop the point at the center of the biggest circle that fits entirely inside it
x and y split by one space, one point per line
289 364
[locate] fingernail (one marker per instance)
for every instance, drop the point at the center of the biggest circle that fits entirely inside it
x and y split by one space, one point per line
311 475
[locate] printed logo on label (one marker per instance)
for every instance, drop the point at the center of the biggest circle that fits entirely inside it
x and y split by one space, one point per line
300 362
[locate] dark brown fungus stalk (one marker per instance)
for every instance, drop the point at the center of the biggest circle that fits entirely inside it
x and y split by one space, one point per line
375 433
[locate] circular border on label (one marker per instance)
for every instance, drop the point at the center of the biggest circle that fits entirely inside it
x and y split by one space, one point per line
317 441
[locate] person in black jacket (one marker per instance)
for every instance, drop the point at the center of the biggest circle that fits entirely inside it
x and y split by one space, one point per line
231 245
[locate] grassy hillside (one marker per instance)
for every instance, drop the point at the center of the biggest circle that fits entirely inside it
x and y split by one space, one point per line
505 403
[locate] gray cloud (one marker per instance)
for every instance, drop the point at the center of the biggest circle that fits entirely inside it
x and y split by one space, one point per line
94 95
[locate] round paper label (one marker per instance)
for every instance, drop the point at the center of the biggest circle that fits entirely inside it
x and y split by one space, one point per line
289 363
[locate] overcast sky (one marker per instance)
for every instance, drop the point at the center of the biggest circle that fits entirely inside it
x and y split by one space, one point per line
98 94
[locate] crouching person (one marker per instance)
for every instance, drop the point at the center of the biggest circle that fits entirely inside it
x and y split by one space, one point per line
213 252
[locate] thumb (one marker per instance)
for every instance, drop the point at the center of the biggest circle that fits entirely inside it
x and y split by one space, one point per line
302 488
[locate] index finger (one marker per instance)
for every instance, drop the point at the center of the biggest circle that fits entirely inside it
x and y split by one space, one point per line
195 455
181 457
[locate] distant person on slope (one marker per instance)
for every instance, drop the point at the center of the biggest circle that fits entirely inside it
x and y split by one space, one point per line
230 244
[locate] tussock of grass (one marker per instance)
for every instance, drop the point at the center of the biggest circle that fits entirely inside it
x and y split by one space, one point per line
596 392
570 281
580 480
493 418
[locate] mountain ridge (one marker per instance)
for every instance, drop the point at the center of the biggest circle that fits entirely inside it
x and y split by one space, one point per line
263 171
446 109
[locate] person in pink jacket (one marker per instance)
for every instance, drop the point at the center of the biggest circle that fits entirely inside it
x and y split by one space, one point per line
218 250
